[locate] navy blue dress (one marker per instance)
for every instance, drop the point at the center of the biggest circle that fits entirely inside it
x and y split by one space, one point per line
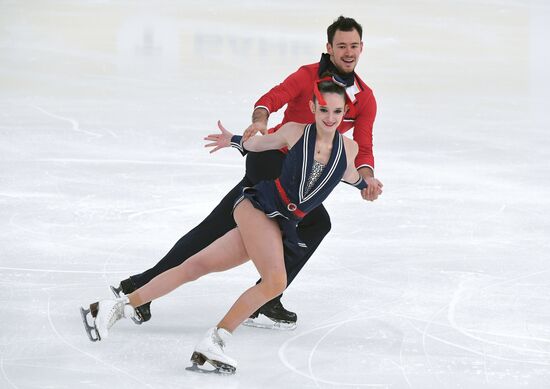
285 199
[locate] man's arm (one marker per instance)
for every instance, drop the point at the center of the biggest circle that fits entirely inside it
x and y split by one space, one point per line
351 175
275 99
374 186
362 178
260 116
364 162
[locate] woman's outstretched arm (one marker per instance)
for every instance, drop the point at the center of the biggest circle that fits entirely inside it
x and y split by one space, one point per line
286 136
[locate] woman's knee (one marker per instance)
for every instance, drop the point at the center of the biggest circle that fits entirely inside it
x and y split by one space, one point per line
193 270
275 284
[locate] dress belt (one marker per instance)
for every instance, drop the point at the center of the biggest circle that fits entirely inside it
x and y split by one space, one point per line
289 205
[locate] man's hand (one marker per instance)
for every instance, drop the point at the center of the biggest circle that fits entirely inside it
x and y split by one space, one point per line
219 141
373 190
260 117
253 129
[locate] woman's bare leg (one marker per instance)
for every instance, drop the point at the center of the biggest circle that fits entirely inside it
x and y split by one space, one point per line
263 245
223 254
263 241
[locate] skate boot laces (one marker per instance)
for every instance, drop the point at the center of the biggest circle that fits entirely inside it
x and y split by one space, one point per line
119 310
217 339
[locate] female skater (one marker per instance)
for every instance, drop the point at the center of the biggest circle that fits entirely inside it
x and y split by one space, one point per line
266 216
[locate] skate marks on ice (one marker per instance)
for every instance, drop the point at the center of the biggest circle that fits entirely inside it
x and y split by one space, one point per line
465 292
468 292
74 123
492 348
5 375
58 331
108 365
353 341
484 331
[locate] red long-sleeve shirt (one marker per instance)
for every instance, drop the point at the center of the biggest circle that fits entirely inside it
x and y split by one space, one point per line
297 90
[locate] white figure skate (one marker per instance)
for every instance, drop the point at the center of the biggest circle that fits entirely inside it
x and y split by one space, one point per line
211 349
101 316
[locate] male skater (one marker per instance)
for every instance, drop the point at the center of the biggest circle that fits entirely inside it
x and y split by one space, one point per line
344 47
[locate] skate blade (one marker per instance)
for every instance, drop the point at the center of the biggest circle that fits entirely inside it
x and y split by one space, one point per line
137 320
264 322
92 332
217 367
118 292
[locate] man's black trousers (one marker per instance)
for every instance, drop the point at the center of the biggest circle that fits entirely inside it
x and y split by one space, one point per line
259 166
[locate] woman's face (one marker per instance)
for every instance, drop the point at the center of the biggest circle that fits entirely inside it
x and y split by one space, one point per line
328 117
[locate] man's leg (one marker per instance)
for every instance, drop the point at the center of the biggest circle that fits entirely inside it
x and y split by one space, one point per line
312 230
218 223
259 166
223 254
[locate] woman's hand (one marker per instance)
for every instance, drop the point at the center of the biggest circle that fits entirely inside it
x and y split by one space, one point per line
219 141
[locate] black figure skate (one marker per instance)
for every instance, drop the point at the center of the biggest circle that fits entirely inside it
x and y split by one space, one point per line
272 315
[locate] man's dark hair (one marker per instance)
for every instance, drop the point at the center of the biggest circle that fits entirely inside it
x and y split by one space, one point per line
343 24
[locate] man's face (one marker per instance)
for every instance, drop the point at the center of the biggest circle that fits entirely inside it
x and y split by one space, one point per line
345 50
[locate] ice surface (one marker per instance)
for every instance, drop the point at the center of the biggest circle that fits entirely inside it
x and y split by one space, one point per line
442 283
